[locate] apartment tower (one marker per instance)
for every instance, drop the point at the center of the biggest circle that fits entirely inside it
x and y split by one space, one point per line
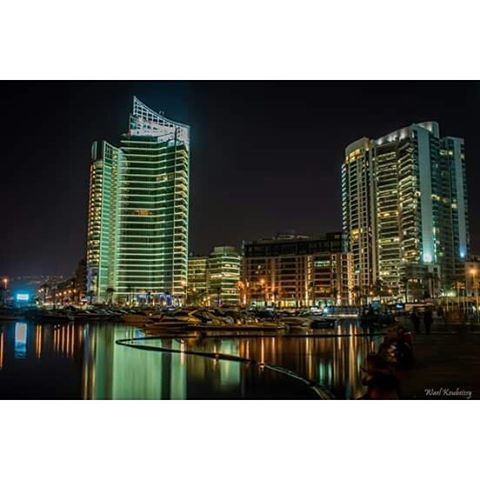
405 211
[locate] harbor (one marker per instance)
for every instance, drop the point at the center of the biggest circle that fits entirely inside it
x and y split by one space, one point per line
159 300
128 357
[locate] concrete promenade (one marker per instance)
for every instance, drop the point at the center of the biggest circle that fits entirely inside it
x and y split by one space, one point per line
447 364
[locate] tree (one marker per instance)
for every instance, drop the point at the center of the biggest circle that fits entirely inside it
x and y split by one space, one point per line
110 292
335 294
218 290
90 295
356 290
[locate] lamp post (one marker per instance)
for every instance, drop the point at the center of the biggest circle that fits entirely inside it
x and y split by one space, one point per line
5 287
473 272
185 292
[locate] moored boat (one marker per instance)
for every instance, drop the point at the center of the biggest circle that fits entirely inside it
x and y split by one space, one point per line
134 318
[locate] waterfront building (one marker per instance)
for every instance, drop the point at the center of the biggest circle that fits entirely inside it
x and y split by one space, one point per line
358 211
197 281
472 276
297 271
223 276
405 211
137 238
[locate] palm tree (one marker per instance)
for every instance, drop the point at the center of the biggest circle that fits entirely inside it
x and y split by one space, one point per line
335 293
90 294
356 290
218 290
110 292
130 296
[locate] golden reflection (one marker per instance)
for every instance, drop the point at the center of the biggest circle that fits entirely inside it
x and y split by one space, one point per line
333 362
55 339
67 340
1 350
64 340
38 341
109 371
182 355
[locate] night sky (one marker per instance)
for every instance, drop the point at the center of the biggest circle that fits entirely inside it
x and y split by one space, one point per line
265 156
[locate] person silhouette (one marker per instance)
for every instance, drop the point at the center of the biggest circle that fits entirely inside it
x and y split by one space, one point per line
415 319
428 320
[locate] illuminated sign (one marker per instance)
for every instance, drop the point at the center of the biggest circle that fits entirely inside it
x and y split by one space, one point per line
22 297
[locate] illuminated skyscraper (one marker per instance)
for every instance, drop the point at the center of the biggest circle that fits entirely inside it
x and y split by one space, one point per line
138 212
358 211
405 212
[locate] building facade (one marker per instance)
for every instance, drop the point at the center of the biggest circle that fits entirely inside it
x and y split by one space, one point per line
137 240
197 281
297 271
405 211
358 211
472 276
223 276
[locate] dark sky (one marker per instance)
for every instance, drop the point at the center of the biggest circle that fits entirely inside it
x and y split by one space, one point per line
265 156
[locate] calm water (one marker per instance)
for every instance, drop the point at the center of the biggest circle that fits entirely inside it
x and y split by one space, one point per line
84 362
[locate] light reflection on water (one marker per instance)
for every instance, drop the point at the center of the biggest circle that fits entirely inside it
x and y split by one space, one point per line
83 361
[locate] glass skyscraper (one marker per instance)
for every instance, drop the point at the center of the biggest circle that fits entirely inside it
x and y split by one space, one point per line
137 238
405 210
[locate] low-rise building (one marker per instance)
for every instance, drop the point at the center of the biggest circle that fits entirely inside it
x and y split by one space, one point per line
197 281
472 275
224 276
297 271
213 280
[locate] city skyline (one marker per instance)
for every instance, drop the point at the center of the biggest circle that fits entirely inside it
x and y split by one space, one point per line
245 143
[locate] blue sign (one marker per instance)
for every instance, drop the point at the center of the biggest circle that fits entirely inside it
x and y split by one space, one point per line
22 297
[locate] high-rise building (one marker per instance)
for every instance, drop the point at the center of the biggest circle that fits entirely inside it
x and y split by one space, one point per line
223 276
358 211
297 271
137 237
405 211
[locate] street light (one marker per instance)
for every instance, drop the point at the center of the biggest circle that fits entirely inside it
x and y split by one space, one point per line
5 286
183 283
473 272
